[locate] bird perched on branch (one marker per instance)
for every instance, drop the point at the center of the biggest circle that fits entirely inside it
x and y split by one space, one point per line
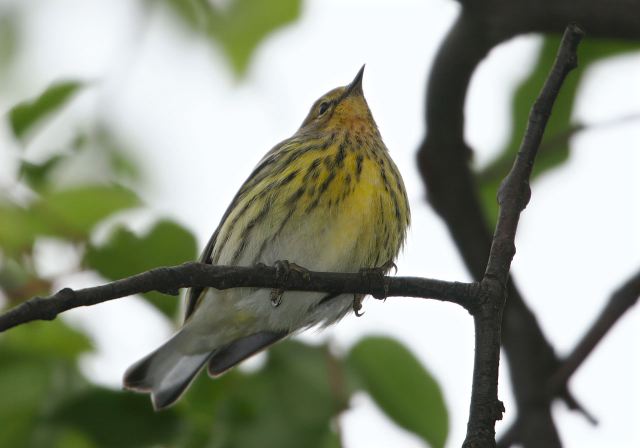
327 199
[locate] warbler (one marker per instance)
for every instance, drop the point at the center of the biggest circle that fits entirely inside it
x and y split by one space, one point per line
327 199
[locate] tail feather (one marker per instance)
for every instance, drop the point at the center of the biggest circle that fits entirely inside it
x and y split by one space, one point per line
178 380
240 349
166 373
137 376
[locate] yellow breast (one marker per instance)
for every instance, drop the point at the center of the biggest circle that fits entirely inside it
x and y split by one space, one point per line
338 204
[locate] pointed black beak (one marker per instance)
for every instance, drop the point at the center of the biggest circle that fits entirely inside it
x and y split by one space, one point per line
356 85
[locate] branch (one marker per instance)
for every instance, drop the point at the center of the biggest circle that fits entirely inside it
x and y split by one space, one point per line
619 303
559 141
515 192
513 196
444 156
170 279
619 19
625 297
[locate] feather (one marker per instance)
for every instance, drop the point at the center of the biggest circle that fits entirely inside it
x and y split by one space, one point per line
239 350
167 372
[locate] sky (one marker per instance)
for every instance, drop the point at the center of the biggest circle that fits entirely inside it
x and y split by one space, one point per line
198 132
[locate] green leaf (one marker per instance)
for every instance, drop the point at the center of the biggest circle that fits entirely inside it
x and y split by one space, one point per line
96 155
245 23
402 387
23 382
34 375
24 116
70 438
36 175
299 370
54 340
68 214
554 149
239 26
18 228
193 12
23 385
331 440
117 419
125 254
73 212
13 275
288 403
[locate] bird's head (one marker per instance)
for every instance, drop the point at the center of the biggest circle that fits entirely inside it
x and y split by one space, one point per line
343 107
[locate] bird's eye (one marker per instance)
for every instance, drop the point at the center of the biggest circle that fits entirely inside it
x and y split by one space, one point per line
324 106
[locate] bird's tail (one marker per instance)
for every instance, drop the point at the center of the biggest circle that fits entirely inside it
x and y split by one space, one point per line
167 372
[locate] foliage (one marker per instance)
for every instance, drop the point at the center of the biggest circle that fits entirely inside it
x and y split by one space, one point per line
402 387
555 146
237 27
24 116
127 254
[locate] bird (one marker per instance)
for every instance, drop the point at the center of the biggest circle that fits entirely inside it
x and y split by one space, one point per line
329 198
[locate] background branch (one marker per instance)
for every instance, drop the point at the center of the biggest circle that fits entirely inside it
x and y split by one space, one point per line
619 303
625 297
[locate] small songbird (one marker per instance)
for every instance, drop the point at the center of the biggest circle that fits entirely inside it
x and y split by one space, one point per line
327 199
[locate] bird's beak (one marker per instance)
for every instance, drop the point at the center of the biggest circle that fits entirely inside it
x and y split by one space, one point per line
355 88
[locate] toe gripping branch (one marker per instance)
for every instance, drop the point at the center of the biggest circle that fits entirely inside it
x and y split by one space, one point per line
283 270
377 281
375 276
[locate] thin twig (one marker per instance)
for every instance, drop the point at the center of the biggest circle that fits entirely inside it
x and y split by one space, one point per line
625 297
620 302
557 142
170 279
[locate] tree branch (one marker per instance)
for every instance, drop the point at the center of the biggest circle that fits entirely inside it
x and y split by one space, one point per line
625 297
619 19
443 157
513 197
170 279
619 303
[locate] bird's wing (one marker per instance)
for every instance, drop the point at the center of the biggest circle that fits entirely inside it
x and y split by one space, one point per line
195 294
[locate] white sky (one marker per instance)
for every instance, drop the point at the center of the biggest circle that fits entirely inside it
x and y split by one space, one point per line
200 132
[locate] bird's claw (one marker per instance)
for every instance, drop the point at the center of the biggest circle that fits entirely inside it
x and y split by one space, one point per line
386 267
283 269
380 272
357 305
276 297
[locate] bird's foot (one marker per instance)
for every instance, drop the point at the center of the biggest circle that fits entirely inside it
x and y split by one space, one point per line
357 304
386 267
283 269
377 274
